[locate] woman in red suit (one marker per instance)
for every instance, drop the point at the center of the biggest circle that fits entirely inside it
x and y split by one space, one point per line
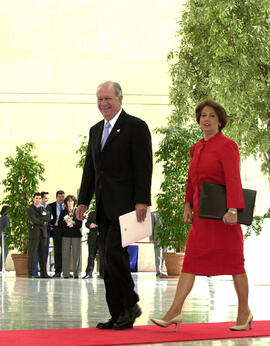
214 247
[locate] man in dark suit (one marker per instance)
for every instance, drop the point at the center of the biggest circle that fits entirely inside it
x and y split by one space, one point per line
93 243
38 218
56 208
118 169
4 222
158 251
44 202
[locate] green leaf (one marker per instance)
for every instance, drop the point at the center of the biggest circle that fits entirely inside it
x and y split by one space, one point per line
24 174
223 53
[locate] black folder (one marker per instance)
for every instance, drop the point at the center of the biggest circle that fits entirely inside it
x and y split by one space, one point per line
213 203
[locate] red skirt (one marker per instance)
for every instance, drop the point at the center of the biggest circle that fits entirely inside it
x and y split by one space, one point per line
214 248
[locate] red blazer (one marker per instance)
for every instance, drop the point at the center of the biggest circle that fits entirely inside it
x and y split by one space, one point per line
215 161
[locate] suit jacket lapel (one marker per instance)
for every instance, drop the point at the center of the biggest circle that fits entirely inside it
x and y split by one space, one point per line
97 139
116 129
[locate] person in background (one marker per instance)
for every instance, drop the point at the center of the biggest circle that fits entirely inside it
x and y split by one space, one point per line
214 247
4 222
118 169
158 251
44 202
93 247
56 208
70 228
38 217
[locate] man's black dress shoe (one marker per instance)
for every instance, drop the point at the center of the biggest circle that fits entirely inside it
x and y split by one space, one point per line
106 325
88 276
45 276
33 276
57 275
127 317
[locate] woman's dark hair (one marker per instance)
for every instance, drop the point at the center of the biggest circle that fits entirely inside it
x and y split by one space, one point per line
68 198
4 210
221 113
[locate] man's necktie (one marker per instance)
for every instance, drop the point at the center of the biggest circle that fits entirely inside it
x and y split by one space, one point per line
57 217
106 134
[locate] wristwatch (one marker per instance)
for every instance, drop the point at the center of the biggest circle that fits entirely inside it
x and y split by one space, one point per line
234 212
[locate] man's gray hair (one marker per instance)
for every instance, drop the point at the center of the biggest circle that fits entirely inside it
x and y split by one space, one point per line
117 87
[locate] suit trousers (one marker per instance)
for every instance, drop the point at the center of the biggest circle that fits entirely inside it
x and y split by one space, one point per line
159 260
57 244
118 281
5 249
47 254
71 244
94 246
37 241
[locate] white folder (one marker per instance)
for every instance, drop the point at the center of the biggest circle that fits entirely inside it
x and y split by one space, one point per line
132 230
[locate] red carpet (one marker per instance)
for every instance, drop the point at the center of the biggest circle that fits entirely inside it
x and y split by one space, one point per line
137 335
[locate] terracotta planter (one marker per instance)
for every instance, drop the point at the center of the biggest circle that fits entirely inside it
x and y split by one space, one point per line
20 264
174 263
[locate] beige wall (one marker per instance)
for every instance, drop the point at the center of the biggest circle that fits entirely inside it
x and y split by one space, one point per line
53 54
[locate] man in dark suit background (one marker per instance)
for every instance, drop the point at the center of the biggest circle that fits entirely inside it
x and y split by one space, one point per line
38 217
56 208
44 203
158 251
93 243
118 169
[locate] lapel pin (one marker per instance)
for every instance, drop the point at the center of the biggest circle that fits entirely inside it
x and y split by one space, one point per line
118 130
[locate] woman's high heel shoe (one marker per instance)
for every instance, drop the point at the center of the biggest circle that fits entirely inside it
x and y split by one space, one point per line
244 326
164 324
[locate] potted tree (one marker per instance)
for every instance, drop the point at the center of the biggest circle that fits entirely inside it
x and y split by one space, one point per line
22 180
173 153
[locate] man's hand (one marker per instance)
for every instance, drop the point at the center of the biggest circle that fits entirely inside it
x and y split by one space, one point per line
141 212
80 212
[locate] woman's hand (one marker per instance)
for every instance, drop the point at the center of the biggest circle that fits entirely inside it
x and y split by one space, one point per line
68 220
229 218
188 215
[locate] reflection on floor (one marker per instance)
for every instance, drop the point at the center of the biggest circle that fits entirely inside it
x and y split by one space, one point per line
61 303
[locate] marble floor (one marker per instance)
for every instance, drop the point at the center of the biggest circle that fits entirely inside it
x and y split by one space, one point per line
61 303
